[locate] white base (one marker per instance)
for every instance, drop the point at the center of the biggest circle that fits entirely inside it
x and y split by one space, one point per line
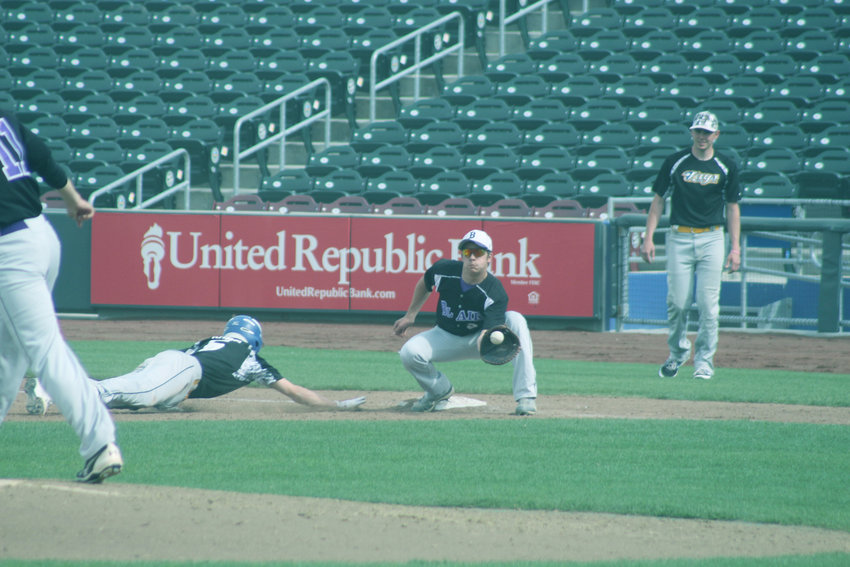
454 402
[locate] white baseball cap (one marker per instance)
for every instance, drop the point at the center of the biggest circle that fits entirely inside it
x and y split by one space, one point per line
705 121
479 238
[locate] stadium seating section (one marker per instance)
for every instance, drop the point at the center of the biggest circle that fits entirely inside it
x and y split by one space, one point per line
582 114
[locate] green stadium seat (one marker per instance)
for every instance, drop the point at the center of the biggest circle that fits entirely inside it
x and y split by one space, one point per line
522 90
442 186
503 134
488 161
773 160
468 89
424 111
554 134
561 67
377 134
383 160
482 111
545 161
772 186
435 134
550 187
435 160
390 184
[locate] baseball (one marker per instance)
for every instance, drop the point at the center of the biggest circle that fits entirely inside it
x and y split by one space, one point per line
496 337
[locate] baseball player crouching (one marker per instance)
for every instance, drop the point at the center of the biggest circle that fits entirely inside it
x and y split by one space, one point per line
471 302
211 367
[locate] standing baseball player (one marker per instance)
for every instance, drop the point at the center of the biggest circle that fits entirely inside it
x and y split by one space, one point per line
30 337
704 189
471 302
209 368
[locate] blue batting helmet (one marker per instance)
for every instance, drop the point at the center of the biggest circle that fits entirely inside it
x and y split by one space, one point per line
248 328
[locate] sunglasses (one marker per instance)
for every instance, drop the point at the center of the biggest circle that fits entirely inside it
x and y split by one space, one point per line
477 252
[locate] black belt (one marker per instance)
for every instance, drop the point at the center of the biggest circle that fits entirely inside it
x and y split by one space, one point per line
14 227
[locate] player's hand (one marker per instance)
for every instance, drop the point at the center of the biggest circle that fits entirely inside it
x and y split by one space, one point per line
353 403
733 261
647 250
401 325
81 211
78 208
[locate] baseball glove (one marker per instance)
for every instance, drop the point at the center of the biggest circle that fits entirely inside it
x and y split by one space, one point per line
496 352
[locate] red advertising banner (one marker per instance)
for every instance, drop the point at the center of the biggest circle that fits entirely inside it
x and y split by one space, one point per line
546 268
155 259
395 253
339 263
286 262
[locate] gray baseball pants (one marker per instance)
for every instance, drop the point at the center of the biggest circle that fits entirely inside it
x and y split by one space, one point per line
162 381
420 353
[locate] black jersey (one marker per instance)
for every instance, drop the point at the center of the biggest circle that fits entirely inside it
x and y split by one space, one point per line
22 156
700 189
228 364
463 309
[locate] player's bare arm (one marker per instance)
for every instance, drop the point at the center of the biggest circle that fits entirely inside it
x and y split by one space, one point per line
302 395
78 208
310 398
420 296
647 247
733 226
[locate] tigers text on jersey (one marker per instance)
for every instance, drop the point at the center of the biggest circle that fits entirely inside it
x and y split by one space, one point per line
700 189
22 155
228 364
463 309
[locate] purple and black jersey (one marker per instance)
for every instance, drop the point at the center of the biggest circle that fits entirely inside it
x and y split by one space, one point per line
464 309
22 156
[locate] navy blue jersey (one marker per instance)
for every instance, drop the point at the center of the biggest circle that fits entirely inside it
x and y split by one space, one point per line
463 309
227 364
699 189
22 156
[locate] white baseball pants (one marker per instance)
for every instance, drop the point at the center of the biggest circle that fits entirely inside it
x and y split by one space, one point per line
436 345
30 336
162 381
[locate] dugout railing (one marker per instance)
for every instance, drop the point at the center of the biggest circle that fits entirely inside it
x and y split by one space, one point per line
506 19
398 69
311 112
795 274
175 180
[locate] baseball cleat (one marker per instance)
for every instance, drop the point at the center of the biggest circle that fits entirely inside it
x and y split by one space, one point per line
428 402
103 464
669 369
703 373
37 399
526 406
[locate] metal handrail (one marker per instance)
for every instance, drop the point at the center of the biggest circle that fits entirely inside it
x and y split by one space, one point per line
418 63
138 175
325 113
504 21
751 264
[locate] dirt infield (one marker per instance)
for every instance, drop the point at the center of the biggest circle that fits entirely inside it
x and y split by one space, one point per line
198 525
736 349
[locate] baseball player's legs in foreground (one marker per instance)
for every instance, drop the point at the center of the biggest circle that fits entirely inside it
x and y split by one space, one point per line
162 381
689 255
419 354
30 337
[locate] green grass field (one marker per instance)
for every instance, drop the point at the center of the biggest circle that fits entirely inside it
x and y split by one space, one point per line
790 474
